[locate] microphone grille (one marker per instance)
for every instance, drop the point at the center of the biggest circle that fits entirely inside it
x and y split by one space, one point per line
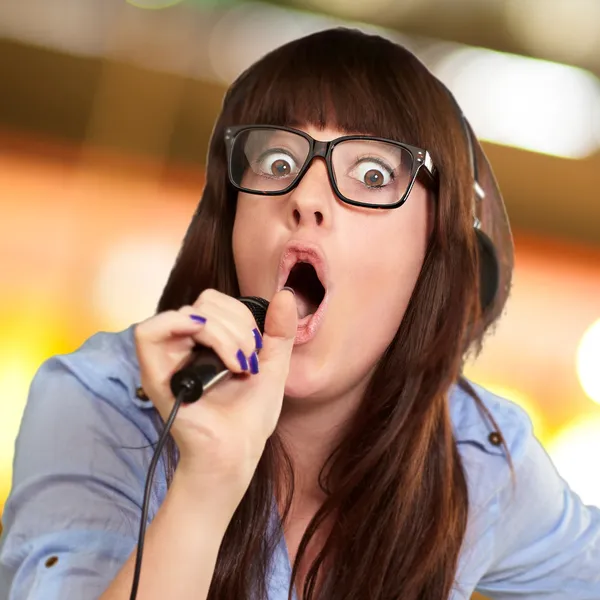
258 307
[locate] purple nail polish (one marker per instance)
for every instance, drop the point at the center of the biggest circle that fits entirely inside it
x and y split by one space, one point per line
242 360
198 318
253 363
257 338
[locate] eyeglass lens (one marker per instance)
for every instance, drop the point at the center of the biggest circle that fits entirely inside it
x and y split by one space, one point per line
365 170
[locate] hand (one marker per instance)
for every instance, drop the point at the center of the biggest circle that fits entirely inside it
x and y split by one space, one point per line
221 436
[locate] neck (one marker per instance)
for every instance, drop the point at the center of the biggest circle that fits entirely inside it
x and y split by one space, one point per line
311 428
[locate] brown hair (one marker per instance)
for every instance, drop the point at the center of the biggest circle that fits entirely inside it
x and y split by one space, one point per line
395 484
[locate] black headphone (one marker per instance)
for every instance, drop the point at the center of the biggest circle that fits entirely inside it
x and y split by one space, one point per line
489 267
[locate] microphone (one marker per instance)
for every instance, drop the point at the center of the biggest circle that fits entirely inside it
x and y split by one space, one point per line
204 368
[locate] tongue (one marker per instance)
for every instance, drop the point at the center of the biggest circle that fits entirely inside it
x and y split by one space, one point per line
303 305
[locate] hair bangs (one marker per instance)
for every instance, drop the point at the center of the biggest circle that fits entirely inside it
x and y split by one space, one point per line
349 83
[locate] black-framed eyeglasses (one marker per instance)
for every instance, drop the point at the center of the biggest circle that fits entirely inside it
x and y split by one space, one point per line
363 170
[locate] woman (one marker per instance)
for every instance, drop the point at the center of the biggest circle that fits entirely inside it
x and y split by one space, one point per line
354 449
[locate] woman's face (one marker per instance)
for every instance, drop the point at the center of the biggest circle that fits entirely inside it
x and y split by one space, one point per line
368 261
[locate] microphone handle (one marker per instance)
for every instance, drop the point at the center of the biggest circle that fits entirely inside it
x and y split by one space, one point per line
203 370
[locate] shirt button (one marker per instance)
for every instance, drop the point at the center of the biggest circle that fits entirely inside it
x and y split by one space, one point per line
141 395
495 438
51 561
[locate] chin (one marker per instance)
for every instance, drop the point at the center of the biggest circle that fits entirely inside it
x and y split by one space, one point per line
305 378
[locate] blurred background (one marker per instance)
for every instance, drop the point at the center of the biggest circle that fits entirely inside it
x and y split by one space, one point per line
106 109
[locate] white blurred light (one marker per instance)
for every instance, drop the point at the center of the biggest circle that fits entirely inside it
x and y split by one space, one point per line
564 29
575 453
130 281
249 31
153 4
524 102
588 362
66 25
359 9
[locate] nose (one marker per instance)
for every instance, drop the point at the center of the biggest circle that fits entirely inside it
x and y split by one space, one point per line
310 203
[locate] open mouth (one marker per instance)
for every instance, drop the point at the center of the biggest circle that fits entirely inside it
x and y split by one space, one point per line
308 288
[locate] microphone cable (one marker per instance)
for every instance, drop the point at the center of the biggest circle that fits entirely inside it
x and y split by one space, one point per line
148 488
188 384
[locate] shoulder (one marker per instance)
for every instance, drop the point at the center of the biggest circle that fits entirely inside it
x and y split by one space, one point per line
98 380
104 360
483 442
80 462
81 420
472 424
520 511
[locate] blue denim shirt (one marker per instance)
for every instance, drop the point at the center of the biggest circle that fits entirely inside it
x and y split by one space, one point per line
77 492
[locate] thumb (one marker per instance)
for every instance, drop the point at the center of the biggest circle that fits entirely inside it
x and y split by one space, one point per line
280 331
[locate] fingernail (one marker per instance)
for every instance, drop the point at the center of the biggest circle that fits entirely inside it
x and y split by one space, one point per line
253 363
242 360
257 338
289 289
198 318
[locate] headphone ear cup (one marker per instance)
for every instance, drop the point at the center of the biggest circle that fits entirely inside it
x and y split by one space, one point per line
489 270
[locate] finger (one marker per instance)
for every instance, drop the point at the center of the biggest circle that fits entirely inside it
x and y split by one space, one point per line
215 335
213 297
165 325
280 331
238 328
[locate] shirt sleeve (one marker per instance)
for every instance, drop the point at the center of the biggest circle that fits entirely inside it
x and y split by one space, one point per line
72 517
546 540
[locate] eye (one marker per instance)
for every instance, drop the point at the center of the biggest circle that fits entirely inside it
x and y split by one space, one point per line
372 172
276 163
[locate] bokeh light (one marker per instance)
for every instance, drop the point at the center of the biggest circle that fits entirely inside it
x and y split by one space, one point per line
158 4
513 100
568 28
588 362
575 451
153 4
130 280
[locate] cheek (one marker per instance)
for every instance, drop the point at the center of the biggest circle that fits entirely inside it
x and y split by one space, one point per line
245 245
253 241
386 264
377 310
378 285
